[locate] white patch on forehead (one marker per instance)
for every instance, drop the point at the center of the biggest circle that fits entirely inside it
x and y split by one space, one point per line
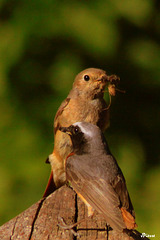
87 130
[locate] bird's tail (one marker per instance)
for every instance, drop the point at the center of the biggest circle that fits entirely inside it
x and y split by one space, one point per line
51 187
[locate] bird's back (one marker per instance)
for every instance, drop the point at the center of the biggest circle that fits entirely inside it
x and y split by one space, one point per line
100 181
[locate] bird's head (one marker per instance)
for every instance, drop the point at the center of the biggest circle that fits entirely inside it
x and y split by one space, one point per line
86 138
91 82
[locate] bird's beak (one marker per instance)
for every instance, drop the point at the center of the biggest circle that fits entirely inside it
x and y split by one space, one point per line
66 130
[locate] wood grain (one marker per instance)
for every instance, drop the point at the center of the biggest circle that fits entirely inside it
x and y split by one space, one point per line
41 219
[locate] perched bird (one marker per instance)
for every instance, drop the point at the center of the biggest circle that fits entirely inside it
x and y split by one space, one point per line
94 174
84 103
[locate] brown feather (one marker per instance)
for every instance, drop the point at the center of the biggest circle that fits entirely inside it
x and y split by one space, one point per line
59 112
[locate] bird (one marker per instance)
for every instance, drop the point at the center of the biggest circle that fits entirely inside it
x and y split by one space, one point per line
94 174
85 102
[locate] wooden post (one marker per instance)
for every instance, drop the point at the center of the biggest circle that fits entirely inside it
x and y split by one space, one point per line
39 222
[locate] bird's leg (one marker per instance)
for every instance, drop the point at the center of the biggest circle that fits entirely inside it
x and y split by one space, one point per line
70 227
67 227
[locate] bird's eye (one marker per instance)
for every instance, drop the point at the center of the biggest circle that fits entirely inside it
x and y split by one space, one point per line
76 130
86 77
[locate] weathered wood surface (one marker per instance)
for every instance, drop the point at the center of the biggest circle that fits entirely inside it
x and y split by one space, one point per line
40 221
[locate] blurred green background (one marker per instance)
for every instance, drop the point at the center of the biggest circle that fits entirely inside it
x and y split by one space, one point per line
43 45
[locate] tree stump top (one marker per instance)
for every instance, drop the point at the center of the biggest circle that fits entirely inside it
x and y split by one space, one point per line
40 221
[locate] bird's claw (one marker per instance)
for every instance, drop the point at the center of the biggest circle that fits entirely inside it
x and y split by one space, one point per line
63 225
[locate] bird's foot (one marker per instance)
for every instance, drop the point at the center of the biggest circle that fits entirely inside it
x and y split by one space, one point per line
63 225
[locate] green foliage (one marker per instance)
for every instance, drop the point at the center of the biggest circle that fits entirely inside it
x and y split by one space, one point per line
43 45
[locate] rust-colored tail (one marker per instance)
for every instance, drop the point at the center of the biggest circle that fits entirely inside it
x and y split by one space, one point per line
128 219
50 186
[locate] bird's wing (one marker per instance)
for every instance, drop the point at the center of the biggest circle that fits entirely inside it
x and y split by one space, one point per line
119 185
126 207
59 112
98 192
